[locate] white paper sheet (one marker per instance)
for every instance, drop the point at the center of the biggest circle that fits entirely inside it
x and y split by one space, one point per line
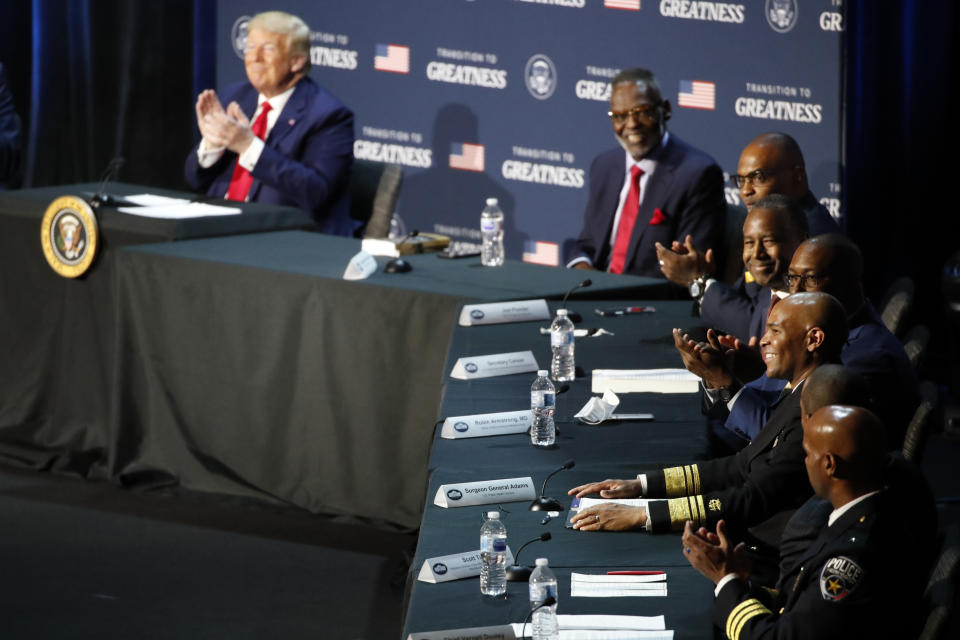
644 380
154 206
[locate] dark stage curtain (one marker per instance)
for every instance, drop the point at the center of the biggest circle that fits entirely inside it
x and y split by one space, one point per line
901 142
110 78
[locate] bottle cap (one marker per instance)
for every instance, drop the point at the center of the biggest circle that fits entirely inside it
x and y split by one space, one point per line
493 515
561 312
491 202
542 373
542 562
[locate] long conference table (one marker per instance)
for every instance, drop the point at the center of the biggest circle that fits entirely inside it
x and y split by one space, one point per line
611 450
240 363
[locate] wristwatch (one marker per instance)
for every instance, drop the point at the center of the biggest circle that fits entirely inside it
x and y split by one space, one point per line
698 287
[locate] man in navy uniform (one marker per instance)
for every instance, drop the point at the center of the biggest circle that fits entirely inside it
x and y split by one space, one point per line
760 481
839 583
655 189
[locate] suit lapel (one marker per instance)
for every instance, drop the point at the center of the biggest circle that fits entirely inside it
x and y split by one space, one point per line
778 420
657 185
286 122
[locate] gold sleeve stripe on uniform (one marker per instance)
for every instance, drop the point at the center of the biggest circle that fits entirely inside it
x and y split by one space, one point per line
741 614
686 508
701 513
682 481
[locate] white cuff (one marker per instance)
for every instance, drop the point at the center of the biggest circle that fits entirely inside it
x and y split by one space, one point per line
723 582
248 159
207 156
642 477
578 261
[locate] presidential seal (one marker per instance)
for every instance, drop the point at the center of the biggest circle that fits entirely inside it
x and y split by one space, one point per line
540 76
238 36
781 14
69 236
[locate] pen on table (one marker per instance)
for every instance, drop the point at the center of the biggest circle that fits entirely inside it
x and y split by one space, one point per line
635 573
623 312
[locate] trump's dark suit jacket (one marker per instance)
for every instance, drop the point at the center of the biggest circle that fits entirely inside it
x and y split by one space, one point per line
306 158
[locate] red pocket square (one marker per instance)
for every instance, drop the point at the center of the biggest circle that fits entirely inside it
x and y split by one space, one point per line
657 217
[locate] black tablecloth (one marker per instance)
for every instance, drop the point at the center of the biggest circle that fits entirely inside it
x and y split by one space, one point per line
246 365
57 344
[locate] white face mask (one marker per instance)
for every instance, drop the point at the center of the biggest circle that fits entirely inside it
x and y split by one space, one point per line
599 409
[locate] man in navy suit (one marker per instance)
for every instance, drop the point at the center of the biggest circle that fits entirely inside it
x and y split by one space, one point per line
655 189
298 150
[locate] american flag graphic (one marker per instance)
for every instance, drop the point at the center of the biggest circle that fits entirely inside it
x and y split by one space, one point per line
540 252
697 94
628 5
392 57
466 156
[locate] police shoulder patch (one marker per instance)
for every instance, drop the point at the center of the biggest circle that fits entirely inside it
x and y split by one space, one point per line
839 577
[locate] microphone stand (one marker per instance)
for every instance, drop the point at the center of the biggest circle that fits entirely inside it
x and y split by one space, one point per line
544 503
101 198
549 601
398 264
575 317
520 573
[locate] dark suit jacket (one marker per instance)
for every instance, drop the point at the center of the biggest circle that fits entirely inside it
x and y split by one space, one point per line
872 351
687 188
305 162
819 219
739 309
758 482
838 581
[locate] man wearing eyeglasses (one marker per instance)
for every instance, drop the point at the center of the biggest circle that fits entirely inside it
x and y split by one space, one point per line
829 263
656 188
281 138
773 163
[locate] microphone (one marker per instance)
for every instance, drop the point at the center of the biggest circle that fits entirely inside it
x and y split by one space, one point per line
549 601
100 198
398 264
575 317
550 504
518 573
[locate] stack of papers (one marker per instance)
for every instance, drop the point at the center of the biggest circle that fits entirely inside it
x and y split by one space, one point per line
153 206
586 585
644 381
604 627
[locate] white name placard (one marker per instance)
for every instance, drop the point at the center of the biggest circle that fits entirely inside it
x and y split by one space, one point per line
485 492
494 364
502 632
486 424
472 315
455 566
361 266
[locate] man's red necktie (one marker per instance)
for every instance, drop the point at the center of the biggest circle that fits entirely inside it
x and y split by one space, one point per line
628 217
242 179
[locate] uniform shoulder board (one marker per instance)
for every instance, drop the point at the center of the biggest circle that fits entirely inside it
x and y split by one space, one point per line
839 577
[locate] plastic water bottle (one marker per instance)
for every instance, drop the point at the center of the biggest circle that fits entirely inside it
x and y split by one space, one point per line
493 556
543 401
543 585
491 229
561 341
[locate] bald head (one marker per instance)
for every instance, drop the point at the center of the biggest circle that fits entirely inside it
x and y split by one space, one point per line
803 331
846 452
772 163
830 263
833 384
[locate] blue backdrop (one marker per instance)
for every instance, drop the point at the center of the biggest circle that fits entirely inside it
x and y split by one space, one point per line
517 91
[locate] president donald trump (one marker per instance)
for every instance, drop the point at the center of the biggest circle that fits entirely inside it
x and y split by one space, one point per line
280 138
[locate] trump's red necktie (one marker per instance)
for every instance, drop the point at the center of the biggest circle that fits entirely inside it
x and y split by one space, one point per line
242 179
628 217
